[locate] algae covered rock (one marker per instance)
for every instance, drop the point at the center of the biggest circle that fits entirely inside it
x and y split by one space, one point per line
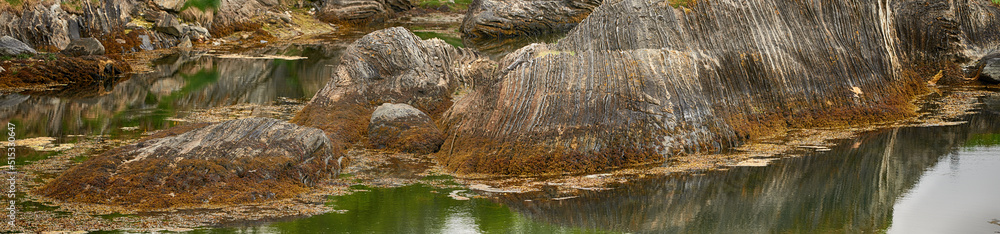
402 127
236 161
638 81
513 18
390 66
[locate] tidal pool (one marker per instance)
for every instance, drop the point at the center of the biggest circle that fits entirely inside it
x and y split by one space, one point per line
905 180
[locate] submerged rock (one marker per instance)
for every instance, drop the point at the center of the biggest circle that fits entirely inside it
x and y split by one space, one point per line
390 66
12 47
238 161
84 46
639 81
515 18
361 11
402 127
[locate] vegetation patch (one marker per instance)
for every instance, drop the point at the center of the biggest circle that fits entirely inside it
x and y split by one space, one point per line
454 41
203 5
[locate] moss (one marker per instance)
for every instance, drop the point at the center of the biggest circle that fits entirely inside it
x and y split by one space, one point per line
88 75
456 5
454 41
683 3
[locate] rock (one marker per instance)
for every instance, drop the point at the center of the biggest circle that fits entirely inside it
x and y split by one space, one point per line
41 27
285 17
390 65
84 46
402 127
147 44
990 69
232 162
196 32
516 18
361 11
12 47
185 43
71 77
169 5
167 23
640 81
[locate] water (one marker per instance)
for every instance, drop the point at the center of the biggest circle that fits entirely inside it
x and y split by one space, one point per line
906 180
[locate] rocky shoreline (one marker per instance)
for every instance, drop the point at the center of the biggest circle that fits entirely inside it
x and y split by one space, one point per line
664 93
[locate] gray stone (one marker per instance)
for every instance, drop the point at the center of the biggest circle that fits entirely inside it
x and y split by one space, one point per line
169 5
167 23
990 70
390 65
402 127
147 44
84 46
12 47
185 43
220 160
361 11
514 18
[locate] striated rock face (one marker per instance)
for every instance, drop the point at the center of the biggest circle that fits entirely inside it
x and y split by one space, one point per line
12 47
42 27
84 46
402 127
361 11
515 18
236 161
638 81
390 66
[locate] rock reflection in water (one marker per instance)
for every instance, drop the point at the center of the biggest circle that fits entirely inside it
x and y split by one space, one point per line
850 189
178 83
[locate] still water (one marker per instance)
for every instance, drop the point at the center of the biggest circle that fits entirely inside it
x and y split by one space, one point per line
905 180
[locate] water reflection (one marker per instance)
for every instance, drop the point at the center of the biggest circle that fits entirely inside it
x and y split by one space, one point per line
853 188
178 83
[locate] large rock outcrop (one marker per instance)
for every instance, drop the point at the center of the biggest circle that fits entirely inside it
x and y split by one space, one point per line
516 18
236 161
390 66
638 81
361 12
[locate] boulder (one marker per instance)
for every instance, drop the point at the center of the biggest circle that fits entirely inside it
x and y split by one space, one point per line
41 27
238 161
404 128
361 11
84 46
196 32
184 43
990 69
167 23
390 66
516 18
13 47
169 5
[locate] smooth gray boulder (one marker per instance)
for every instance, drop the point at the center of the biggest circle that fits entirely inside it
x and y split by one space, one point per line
13 47
232 162
990 70
84 46
404 128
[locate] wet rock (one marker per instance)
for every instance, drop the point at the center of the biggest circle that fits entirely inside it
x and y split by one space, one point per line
232 162
402 127
361 11
515 18
167 23
390 66
84 46
85 76
639 81
990 69
12 47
